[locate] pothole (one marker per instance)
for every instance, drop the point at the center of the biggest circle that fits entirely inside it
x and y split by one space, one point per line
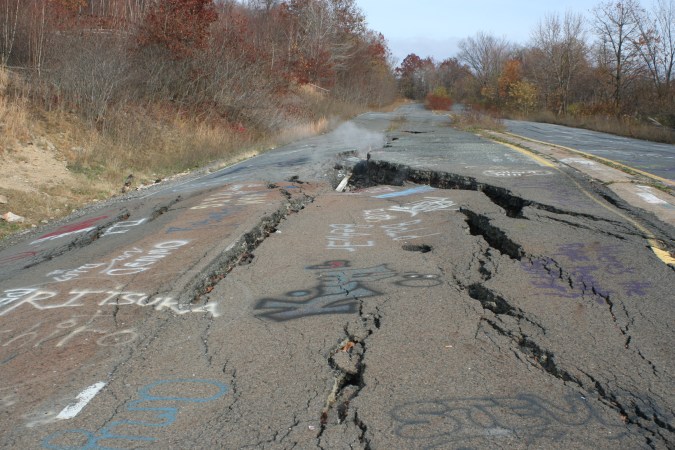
422 248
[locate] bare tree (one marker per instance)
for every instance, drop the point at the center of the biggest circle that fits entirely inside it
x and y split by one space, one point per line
617 29
38 35
264 5
9 18
561 50
485 55
656 45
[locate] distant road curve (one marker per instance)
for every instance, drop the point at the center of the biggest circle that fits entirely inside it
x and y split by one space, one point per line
655 158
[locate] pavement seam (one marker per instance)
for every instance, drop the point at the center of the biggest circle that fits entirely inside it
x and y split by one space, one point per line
203 283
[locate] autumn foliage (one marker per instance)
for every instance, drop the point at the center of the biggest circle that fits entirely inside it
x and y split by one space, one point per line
182 26
239 63
614 67
439 99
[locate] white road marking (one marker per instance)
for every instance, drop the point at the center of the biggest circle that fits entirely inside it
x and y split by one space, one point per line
83 398
647 196
651 198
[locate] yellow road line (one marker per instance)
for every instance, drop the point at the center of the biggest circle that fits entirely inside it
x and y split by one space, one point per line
599 158
654 243
662 254
527 153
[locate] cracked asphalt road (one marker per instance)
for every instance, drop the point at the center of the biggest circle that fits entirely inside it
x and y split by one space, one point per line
460 293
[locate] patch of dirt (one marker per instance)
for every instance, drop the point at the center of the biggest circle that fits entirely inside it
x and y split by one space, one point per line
37 185
33 167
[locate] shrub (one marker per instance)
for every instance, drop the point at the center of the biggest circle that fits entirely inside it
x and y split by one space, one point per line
438 99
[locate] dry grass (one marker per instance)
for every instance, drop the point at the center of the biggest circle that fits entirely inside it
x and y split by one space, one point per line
474 121
626 126
151 142
14 116
48 204
300 131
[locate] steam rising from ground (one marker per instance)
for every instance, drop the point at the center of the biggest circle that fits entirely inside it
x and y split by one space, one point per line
357 138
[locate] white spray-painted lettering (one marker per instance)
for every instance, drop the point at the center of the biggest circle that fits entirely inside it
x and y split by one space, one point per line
143 263
7 399
61 334
223 197
123 227
14 298
252 199
63 275
343 237
402 231
516 173
429 204
377 215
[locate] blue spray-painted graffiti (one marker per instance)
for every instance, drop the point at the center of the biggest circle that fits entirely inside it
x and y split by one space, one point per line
461 422
411 191
166 416
584 263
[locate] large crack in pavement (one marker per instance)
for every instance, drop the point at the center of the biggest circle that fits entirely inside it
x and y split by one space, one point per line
635 408
194 291
623 400
371 173
527 349
347 361
81 241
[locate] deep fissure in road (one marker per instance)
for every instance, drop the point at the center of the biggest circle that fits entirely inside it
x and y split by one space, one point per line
632 408
240 253
347 361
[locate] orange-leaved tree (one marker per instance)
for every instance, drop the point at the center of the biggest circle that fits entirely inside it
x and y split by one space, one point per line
182 26
439 99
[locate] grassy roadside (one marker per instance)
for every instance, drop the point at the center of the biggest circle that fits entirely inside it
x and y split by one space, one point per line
626 126
53 162
493 128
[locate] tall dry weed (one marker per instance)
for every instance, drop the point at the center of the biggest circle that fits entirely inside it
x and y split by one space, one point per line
627 126
474 121
14 114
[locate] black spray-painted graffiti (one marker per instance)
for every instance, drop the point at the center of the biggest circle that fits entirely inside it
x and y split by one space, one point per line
150 403
527 417
339 290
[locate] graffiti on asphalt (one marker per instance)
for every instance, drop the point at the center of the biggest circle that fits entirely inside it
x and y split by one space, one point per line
161 399
214 218
39 299
406 192
526 417
124 226
339 291
142 260
145 259
70 230
429 204
67 331
406 230
236 194
348 237
516 173
377 215
585 261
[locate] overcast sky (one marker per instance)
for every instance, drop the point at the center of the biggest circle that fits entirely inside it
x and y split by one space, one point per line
434 27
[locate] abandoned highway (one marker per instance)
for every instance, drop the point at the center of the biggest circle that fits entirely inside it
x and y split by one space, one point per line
456 292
